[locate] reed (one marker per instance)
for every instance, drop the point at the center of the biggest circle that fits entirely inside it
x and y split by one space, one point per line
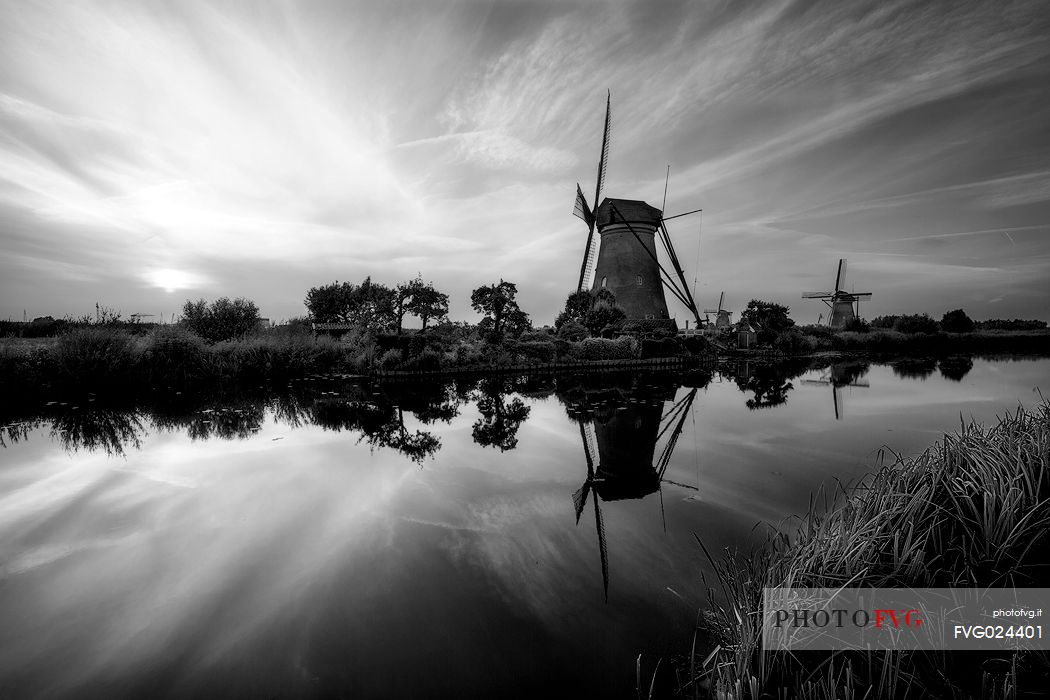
973 510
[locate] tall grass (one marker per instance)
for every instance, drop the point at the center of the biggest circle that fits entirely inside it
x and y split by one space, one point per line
973 510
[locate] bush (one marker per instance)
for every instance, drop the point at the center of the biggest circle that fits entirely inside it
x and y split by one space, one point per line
222 320
573 331
606 349
536 351
792 342
92 356
174 354
857 325
390 359
957 322
426 361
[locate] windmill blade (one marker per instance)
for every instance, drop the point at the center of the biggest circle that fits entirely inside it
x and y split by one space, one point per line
579 499
840 278
817 295
721 298
580 209
860 295
603 162
838 406
603 550
710 311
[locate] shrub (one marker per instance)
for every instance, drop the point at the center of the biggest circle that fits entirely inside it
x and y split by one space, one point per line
606 349
222 320
573 331
537 351
174 354
427 361
792 342
93 356
957 322
857 325
390 359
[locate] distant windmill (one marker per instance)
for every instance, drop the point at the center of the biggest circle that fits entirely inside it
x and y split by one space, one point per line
624 260
845 306
723 318
839 376
624 447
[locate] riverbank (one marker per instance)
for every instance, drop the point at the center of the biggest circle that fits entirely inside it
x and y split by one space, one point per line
112 360
971 511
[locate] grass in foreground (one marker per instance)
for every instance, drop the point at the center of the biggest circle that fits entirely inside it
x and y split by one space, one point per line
974 510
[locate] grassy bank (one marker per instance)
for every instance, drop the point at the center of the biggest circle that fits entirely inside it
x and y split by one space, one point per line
883 342
974 510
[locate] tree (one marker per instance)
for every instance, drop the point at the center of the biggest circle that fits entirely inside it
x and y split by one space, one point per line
596 312
223 319
957 322
369 305
502 314
419 299
770 319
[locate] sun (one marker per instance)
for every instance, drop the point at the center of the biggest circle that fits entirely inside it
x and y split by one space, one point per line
171 280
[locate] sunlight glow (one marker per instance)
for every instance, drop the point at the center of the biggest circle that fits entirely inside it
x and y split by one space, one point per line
172 280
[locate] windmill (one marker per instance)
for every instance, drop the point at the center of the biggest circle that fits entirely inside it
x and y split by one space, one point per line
624 258
723 318
624 446
845 306
838 376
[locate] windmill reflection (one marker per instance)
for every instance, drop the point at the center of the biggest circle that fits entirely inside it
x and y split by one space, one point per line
620 434
839 375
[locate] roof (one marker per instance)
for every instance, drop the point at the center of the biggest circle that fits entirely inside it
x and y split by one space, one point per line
633 210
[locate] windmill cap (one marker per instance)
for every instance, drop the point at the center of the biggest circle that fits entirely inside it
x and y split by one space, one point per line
633 211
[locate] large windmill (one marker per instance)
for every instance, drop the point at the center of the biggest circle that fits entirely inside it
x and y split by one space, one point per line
624 447
624 259
845 306
723 317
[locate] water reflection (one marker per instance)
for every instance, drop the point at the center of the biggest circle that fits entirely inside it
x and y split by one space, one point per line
620 426
955 368
914 367
500 419
839 375
769 382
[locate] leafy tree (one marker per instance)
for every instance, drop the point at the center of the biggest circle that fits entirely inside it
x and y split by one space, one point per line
223 319
502 314
770 319
369 305
957 322
419 299
596 312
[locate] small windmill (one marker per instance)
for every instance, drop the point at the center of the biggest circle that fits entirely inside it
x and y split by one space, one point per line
845 306
643 479
723 318
839 376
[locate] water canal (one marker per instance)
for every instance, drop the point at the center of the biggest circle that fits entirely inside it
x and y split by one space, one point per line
509 536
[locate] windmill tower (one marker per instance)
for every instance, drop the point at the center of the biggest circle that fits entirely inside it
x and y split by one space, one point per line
845 306
723 318
624 258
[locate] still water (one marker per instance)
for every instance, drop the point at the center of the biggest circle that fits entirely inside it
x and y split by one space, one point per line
503 537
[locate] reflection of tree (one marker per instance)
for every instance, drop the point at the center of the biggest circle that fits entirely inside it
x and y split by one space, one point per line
381 425
915 368
846 373
500 420
770 382
98 429
378 414
955 367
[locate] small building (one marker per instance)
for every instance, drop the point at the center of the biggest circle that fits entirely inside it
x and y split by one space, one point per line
746 336
336 329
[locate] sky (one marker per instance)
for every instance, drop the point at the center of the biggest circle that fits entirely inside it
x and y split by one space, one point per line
154 152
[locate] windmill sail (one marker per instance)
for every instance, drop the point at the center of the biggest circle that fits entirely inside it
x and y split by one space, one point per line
590 253
581 209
